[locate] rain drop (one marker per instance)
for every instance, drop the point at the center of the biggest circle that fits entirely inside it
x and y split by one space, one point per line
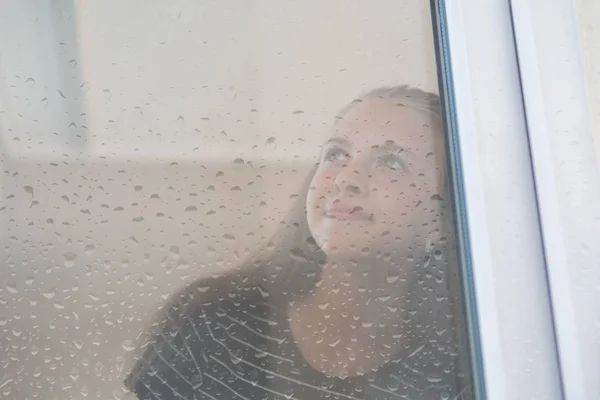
182 265
89 249
12 288
128 345
391 278
69 259
297 254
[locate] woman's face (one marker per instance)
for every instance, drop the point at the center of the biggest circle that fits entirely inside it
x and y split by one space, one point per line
376 185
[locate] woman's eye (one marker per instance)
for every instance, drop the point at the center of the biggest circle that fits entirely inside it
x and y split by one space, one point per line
336 154
393 162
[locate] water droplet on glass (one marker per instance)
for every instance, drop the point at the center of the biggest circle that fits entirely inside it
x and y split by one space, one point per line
236 356
12 288
128 345
393 277
434 378
89 249
203 289
182 265
297 254
49 294
70 259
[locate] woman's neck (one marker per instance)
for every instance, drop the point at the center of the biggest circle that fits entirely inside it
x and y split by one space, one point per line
352 322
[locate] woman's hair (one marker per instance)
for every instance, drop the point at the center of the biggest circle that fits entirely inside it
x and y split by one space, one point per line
292 260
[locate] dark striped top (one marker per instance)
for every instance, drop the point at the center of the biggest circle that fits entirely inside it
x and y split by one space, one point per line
238 345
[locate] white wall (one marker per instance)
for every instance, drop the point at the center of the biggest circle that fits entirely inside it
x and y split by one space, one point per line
82 138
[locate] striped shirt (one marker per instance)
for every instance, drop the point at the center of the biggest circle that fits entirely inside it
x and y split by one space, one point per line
239 346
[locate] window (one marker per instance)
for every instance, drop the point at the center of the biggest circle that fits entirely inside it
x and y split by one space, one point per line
248 199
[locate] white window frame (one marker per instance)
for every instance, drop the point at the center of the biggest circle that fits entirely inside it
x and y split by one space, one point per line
566 163
515 346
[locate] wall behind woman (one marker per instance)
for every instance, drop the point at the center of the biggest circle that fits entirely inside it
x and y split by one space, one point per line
145 145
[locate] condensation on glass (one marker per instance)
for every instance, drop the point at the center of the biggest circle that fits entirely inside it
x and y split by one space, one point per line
225 200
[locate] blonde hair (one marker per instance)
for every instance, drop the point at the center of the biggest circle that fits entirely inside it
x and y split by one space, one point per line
403 95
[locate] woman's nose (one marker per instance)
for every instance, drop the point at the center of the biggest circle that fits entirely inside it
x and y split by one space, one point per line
352 181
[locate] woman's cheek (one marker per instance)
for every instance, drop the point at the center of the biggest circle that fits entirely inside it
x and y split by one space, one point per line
318 192
324 181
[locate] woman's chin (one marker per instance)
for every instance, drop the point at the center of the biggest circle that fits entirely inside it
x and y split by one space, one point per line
346 248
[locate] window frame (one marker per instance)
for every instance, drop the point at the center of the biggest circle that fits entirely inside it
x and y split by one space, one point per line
513 341
559 110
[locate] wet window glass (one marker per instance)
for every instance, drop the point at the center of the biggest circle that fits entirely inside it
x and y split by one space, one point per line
226 199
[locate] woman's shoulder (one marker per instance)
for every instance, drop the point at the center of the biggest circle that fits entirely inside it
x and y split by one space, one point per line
190 328
220 291
206 299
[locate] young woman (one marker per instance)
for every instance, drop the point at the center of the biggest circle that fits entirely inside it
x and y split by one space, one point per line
358 298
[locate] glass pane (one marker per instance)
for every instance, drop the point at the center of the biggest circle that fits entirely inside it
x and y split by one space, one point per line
226 199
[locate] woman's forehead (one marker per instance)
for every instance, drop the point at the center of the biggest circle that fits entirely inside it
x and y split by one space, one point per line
381 122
